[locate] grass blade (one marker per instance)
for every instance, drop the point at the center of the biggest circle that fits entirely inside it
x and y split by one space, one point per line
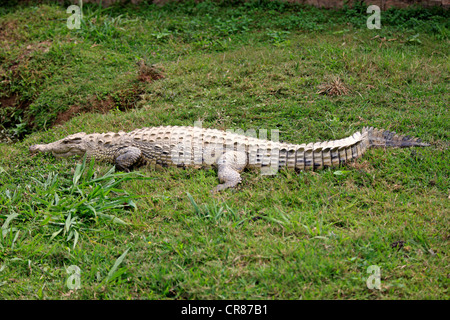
8 220
112 274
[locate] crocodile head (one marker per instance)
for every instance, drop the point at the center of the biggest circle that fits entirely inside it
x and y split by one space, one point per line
69 146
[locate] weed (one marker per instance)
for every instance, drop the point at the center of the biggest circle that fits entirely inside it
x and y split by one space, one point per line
216 213
72 206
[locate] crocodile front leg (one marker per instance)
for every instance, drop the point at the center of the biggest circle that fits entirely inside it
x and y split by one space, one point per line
230 165
126 158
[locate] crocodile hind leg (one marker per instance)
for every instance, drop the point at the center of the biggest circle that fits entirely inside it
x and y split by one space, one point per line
230 165
126 158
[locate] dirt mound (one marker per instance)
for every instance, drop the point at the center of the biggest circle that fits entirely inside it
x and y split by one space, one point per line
149 73
123 100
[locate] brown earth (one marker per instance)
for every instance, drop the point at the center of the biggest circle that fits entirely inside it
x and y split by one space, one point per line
123 100
10 103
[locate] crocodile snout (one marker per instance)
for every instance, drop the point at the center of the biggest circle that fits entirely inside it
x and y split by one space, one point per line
33 149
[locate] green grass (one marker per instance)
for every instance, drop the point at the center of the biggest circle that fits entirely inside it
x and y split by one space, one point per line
309 235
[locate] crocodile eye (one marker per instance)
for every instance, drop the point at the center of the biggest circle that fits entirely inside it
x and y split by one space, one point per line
73 140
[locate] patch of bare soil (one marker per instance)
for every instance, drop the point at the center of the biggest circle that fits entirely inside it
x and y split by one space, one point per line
123 100
94 105
10 107
149 73
10 103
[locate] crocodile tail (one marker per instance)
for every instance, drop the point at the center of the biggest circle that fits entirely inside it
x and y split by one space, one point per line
331 153
384 138
338 152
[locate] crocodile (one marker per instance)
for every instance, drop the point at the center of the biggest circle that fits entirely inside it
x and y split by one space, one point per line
227 151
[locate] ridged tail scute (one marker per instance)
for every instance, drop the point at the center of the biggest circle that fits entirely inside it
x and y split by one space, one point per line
331 153
384 138
338 152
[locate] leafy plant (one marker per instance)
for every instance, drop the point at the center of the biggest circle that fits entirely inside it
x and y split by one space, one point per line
277 37
216 213
72 206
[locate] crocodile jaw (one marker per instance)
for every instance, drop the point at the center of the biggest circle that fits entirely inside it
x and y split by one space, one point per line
69 146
